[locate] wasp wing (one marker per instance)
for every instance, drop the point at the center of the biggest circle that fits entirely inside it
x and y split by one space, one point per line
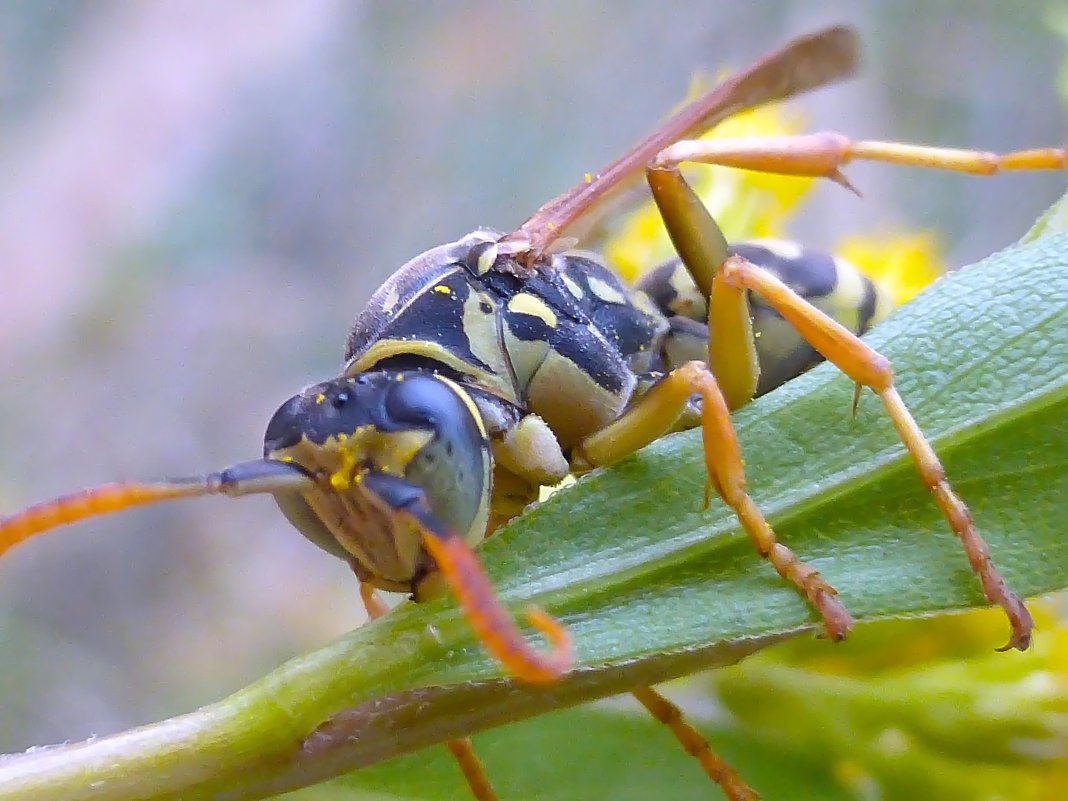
806 63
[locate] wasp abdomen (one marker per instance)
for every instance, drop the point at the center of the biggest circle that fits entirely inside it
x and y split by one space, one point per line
828 282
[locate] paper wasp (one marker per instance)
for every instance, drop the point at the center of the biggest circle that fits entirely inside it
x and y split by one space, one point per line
489 367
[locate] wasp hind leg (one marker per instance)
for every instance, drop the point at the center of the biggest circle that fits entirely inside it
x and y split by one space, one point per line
823 154
729 278
867 367
463 750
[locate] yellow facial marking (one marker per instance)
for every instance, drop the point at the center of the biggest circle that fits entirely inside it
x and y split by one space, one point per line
367 449
345 472
320 399
535 307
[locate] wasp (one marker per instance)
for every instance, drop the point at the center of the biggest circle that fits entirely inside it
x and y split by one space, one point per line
489 367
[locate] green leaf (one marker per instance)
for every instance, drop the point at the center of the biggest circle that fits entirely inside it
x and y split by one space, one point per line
651 586
619 755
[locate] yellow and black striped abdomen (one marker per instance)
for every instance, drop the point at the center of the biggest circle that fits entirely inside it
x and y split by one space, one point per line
828 282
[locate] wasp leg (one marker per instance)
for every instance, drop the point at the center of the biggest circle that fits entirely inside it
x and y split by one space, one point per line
647 420
653 415
462 571
374 605
696 745
691 226
822 155
463 750
473 769
732 354
869 368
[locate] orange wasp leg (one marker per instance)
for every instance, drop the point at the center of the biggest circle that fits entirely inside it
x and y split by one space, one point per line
647 420
490 620
868 367
822 155
696 745
732 353
653 415
463 750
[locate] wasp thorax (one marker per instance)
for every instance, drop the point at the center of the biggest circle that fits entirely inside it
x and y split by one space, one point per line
389 451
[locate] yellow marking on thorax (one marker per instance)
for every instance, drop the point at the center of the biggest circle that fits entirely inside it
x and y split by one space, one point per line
385 348
605 291
483 335
486 259
572 287
441 289
524 303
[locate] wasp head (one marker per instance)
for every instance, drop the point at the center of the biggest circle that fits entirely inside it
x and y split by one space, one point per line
382 448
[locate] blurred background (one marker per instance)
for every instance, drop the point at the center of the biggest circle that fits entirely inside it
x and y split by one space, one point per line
196 198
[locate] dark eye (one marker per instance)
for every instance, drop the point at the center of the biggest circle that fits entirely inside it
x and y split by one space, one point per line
421 400
340 399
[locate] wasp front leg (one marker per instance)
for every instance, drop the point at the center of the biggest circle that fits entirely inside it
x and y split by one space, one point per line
731 277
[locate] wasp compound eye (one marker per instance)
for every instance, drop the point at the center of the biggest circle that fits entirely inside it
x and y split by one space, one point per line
422 400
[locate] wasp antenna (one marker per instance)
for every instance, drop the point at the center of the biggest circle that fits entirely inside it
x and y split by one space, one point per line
491 621
806 63
248 478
